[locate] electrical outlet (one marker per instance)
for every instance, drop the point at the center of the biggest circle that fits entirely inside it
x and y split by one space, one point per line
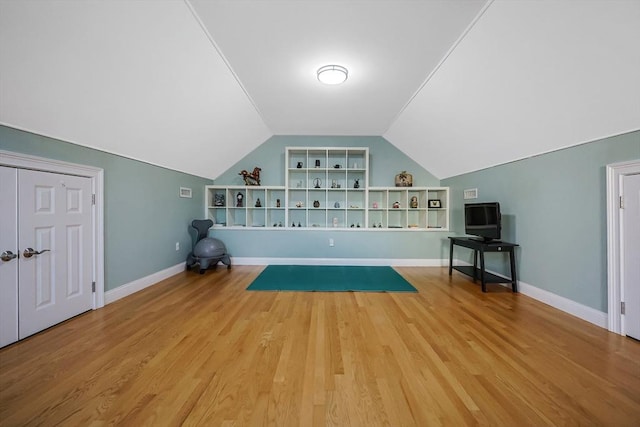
177 246
331 242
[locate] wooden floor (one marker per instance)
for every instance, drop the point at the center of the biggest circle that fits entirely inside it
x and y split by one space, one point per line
200 350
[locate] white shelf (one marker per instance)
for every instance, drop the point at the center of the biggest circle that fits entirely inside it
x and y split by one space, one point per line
339 204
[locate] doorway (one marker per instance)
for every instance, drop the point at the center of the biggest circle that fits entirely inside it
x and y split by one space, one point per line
623 235
52 243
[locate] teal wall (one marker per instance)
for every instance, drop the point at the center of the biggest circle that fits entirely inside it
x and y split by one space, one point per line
554 206
143 215
385 161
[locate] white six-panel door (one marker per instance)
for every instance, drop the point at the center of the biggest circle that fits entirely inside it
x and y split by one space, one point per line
47 222
631 254
55 221
9 249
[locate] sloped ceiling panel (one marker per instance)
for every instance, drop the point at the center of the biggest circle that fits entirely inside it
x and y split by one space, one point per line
529 77
276 47
136 78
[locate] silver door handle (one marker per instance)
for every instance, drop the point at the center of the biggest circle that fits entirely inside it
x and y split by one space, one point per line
29 252
8 256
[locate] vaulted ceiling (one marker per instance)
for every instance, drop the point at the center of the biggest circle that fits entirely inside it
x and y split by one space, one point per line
195 85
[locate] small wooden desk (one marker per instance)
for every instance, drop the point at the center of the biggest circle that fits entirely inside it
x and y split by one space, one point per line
481 247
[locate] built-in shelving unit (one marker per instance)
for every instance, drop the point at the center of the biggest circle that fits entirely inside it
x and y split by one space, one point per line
246 206
409 207
326 188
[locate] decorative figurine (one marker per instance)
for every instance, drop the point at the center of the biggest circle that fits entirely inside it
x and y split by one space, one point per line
251 178
258 203
298 204
277 203
299 165
317 182
356 184
404 179
316 204
337 166
299 225
414 202
317 163
219 199
336 205
375 205
396 205
334 184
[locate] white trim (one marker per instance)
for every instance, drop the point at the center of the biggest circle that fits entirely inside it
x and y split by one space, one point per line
615 172
142 283
567 305
341 261
581 311
25 161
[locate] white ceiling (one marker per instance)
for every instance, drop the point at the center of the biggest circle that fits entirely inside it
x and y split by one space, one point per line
195 85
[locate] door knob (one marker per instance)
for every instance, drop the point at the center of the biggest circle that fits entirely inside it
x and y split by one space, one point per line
29 252
8 256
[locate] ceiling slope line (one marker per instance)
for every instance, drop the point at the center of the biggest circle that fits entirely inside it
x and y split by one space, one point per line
100 149
224 59
437 67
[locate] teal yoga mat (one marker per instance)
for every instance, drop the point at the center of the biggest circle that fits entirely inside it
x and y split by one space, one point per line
330 278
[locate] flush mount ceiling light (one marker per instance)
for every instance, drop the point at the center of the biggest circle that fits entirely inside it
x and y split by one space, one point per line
332 74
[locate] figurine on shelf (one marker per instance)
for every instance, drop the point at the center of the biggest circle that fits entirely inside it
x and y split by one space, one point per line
396 205
317 183
219 199
356 184
299 165
239 198
258 203
277 203
414 202
251 178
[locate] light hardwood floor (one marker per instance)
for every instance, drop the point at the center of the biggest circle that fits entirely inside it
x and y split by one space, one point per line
200 350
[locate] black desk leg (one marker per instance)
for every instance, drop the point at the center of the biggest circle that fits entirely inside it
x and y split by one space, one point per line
514 279
484 284
451 257
475 264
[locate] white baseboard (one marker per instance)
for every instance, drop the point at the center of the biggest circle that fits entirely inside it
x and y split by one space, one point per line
581 311
142 283
341 261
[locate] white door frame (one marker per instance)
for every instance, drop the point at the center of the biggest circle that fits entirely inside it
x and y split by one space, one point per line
615 173
25 161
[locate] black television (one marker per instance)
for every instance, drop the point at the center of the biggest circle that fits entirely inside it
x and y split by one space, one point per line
483 220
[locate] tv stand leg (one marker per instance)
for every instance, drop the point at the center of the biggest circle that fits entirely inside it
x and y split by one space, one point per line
514 280
484 284
451 258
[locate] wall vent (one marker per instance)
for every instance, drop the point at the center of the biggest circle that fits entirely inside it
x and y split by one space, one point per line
471 193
